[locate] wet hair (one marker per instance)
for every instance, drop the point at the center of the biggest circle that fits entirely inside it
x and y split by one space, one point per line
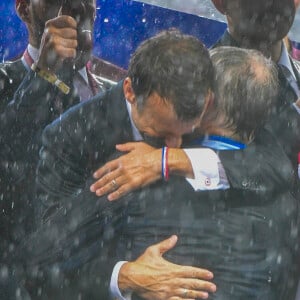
175 66
246 87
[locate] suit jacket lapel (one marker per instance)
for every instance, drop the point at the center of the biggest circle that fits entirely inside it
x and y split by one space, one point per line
117 113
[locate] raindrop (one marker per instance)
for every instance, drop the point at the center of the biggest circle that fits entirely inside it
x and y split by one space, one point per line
18 292
279 259
4 272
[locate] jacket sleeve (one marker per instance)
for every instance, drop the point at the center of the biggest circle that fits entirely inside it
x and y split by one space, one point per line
72 147
265 155
72 253
21 121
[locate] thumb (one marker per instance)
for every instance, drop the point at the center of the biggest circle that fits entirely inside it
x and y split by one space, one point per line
165 245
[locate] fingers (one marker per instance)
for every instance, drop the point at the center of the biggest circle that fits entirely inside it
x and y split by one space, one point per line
59 42
193 294
107 175
193 272
64 48
190 294
126 147
108 167
197 284
178 298
120 192
192 289
61 22
115 185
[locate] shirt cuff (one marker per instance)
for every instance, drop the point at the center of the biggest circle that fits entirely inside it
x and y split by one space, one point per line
206 166
297 108
114 288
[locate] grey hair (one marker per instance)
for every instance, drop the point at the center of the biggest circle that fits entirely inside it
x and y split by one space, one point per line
246 86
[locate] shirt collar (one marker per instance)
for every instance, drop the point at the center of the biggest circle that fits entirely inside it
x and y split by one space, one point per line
135 132
34 54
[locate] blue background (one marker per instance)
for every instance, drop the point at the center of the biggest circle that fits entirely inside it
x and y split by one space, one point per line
120 26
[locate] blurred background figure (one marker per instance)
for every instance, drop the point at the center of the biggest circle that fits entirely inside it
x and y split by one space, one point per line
293 39
60 44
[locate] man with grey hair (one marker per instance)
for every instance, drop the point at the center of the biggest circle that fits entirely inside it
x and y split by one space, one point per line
227 232
152 99
262 26
60 44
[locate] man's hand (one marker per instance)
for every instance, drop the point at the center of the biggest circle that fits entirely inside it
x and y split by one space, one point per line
298 103
140 167
154 278
58 44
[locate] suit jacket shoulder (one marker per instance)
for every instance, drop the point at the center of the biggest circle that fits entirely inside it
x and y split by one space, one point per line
271 166
78 143
107 70
11 76
104 73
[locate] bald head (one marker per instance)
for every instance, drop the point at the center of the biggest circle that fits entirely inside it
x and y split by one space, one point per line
245 87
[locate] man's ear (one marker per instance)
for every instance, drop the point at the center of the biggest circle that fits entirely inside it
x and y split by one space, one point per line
208 107
209 102
128 91
22 9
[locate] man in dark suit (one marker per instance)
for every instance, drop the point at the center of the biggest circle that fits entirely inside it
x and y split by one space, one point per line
83 139
262 26
56 43
45 26
239 233
243 205
152 100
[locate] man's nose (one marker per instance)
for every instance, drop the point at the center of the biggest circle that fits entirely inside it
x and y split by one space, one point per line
173 142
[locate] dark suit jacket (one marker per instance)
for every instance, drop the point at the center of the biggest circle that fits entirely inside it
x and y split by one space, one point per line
28 103
11 76
78 143
243 236
72 253
285 122
239 234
